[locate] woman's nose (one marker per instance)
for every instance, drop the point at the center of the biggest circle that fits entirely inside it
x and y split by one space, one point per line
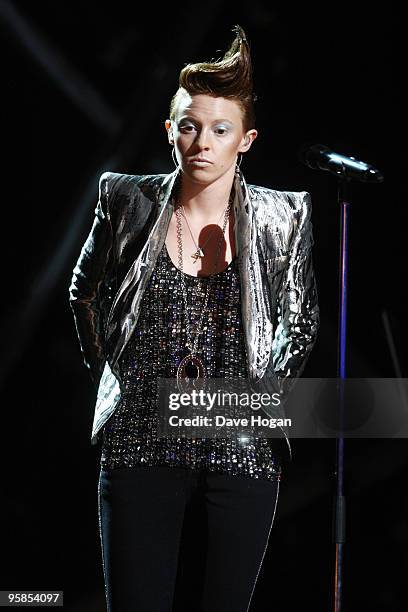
202 139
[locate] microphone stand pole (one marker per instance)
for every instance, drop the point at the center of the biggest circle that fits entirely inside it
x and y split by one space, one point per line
345 168
339 505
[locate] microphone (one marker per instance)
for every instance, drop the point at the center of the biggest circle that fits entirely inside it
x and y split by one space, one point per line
320 157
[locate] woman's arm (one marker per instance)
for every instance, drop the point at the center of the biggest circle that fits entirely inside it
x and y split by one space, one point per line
298 316
86 279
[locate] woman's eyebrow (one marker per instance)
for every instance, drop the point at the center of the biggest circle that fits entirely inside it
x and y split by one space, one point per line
190 118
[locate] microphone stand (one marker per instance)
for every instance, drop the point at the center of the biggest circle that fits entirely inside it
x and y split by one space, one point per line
345 168
339 503
320 157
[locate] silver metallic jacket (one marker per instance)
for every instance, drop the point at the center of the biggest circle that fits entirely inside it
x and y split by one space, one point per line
273 244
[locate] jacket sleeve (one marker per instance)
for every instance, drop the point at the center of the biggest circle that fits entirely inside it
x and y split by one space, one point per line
298 316
85 282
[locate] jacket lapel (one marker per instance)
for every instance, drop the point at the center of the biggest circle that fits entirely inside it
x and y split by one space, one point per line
256 316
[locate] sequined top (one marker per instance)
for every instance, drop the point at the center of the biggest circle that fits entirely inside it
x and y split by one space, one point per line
155 349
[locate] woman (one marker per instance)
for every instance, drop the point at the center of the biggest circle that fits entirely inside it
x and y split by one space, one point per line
189 275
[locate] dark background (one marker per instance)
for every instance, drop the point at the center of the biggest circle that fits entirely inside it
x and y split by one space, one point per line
86 88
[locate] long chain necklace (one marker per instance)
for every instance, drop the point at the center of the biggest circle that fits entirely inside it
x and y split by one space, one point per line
192 366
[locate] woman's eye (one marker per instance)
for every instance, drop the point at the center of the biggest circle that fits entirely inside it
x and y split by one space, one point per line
189 128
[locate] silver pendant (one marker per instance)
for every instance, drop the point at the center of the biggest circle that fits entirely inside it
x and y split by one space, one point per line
197 254
190 373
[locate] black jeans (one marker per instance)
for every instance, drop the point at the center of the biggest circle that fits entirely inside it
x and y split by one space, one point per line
177 539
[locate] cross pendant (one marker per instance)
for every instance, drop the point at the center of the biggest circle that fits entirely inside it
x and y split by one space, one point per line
197 254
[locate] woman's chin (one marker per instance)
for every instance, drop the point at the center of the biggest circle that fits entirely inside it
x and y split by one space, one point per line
198 175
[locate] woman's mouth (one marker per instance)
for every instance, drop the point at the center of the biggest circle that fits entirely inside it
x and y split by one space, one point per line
199 162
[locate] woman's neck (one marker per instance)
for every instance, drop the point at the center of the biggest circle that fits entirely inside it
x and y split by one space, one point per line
204 204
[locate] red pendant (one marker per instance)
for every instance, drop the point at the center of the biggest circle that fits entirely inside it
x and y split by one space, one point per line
190 373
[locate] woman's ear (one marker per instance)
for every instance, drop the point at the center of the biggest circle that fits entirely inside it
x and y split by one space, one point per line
169 129
248 140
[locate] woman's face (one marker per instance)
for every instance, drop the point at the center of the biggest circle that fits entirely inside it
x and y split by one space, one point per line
210 128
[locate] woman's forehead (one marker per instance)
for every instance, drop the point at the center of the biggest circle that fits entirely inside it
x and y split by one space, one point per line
208 107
